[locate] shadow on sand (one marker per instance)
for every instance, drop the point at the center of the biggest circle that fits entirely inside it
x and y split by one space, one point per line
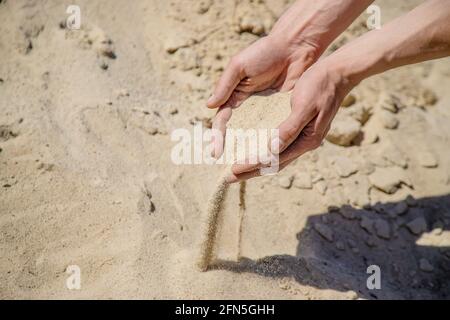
341 263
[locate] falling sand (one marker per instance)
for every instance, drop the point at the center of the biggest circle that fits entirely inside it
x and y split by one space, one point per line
251 115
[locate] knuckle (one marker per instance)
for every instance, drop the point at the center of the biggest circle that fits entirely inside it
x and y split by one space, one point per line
315 141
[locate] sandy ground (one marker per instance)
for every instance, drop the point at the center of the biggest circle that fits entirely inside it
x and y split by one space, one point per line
86 177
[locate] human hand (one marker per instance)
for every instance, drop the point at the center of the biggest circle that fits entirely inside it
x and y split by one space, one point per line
269 63
315 101
275 62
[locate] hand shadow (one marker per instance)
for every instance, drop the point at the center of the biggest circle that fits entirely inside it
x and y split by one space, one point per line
408 270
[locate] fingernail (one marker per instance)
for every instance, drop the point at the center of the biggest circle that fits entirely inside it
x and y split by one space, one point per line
276 145
231 179
210 100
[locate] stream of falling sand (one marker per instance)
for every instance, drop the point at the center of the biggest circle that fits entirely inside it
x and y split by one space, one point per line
211 220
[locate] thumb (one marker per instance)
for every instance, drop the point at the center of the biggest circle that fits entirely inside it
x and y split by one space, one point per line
289 130
227 83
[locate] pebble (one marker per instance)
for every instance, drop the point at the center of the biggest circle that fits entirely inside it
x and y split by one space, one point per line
387 180
427 160
343 131
321 187
303 180
382 229
285 182
400 208
340 245
417 226
344 166
425 265
347 212
366 224
388 120
411 201
349 100
388 102
324 231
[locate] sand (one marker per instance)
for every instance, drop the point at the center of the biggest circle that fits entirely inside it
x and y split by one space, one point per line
86 176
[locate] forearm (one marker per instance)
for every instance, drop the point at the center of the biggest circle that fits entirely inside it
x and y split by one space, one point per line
422 34
319 22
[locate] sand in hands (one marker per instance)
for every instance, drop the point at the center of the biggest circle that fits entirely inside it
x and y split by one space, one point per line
257 112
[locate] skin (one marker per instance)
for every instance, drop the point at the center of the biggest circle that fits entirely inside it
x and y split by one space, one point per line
319 87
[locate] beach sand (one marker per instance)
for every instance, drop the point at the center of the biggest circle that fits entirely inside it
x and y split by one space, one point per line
87 180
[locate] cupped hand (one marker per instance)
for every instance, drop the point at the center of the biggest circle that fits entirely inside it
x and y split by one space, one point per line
315 101
269 63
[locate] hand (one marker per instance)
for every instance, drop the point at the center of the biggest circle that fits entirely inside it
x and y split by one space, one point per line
275 62
315 101
269 63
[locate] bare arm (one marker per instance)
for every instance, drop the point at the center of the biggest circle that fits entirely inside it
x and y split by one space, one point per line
276 61
420 35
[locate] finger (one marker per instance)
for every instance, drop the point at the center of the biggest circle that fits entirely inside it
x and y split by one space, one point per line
289 129
310 139
233 178
219 130
227 83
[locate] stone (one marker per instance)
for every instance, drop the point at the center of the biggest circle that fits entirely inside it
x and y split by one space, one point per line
285 182
321 186
340 245
347 212
349 100
388 180
324 231
366 224
388 120
410 201
388 102
393 155
344 166
344 131
425 265
382 229
427 159
303 180
400 208
417 226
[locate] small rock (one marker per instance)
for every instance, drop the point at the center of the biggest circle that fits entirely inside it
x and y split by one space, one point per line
324 231
347 212
343 131
382 229
285 182
349 100
321 187
427 159
351 243
344 166
425 265
366 224
388 102
410 201
303 180
398 209
340 245
426 98
370 241
173 110
388 180
120 93
316 177
417 226
388 120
